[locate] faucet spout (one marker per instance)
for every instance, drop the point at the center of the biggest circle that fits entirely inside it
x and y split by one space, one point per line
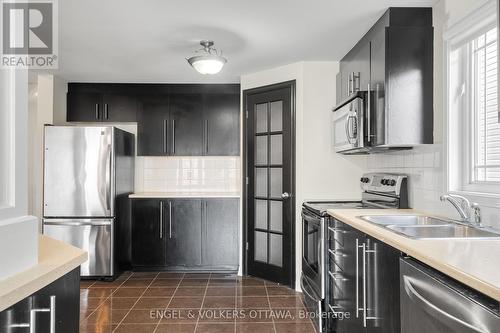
464 208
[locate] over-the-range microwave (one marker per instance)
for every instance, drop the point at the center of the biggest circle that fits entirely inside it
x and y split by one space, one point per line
350 119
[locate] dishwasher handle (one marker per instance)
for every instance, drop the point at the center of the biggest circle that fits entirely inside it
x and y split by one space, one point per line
431 309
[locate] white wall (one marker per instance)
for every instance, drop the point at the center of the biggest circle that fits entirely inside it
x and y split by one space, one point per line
425 165
320 173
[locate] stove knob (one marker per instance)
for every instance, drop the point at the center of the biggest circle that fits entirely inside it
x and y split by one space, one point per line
362 179
383 181
392 182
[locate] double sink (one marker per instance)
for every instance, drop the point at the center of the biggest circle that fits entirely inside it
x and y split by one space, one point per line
427 227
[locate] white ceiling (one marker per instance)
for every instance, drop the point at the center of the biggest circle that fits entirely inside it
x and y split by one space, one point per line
148 40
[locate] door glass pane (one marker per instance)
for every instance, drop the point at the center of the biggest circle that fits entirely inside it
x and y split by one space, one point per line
276 182
277 116
275 250
261 118
261 246
261 182
261 214
261 150
276 149
276 215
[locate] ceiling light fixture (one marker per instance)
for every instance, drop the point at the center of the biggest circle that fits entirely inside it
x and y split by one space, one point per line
210 61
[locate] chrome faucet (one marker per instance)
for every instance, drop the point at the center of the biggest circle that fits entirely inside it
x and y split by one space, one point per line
469 212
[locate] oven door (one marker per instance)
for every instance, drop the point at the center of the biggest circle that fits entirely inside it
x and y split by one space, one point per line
313 248
348 126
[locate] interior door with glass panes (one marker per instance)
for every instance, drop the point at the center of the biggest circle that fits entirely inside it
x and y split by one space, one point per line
270 183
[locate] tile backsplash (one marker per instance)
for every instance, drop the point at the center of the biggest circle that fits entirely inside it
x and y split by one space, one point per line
188 174
424 166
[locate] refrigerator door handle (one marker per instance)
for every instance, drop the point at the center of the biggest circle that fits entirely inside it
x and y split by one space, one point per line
71 223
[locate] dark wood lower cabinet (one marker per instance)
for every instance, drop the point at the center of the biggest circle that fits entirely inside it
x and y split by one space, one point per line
148 232
185 234
363 284
220 224
66 293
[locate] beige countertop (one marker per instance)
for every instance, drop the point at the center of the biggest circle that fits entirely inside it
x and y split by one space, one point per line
185 195
476 263
55 259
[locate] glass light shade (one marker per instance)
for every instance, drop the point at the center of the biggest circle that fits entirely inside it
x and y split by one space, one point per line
207 64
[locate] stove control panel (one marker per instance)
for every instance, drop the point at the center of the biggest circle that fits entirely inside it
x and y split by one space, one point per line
383 182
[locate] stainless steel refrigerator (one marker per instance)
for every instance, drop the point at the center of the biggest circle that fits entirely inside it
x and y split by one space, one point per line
88 174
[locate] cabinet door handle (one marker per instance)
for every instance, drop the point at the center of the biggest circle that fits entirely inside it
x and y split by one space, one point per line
161 219
32 321
165 126
369 114
96 111
106 111
170 219
364 284
173 136
357 278
206 136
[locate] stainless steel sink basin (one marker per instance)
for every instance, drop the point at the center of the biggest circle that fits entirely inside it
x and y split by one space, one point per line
443 231
427 227
403 220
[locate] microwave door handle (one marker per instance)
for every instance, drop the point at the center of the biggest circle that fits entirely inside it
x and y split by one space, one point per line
347 132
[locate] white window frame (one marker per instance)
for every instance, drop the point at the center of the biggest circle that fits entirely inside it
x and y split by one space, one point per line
458 134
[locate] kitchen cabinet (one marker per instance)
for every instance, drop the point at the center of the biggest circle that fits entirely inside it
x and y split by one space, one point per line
148 233
185 234
394 60
363 273
86 104
222 124
172 119
220 230
119 108
153 124
186 126
84 107
65 310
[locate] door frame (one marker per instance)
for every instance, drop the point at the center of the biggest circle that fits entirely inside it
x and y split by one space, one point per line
286 84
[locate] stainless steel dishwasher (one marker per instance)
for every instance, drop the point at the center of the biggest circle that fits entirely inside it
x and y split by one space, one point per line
434 303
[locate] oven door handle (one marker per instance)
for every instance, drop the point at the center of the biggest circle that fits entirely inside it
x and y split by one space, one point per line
304 290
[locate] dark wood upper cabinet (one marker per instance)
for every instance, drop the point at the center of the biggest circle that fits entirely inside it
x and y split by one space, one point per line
395 62
84 106
186 125
172 119
222 124
153 124
119 108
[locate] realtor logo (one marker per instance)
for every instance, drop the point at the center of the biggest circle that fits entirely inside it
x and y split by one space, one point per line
29 34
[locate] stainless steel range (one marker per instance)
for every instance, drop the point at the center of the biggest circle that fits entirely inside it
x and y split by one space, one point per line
379 190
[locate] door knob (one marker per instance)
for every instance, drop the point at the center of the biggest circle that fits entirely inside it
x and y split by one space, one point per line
285 195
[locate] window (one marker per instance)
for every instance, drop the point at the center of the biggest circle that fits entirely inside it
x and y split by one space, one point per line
485 157
473 118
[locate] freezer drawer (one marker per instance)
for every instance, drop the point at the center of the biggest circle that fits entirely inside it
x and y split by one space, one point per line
433 303
92 235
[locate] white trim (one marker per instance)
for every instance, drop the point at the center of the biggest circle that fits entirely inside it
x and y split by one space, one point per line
477 20
480 20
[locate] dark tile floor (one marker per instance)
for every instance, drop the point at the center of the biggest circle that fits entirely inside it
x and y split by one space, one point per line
162 302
